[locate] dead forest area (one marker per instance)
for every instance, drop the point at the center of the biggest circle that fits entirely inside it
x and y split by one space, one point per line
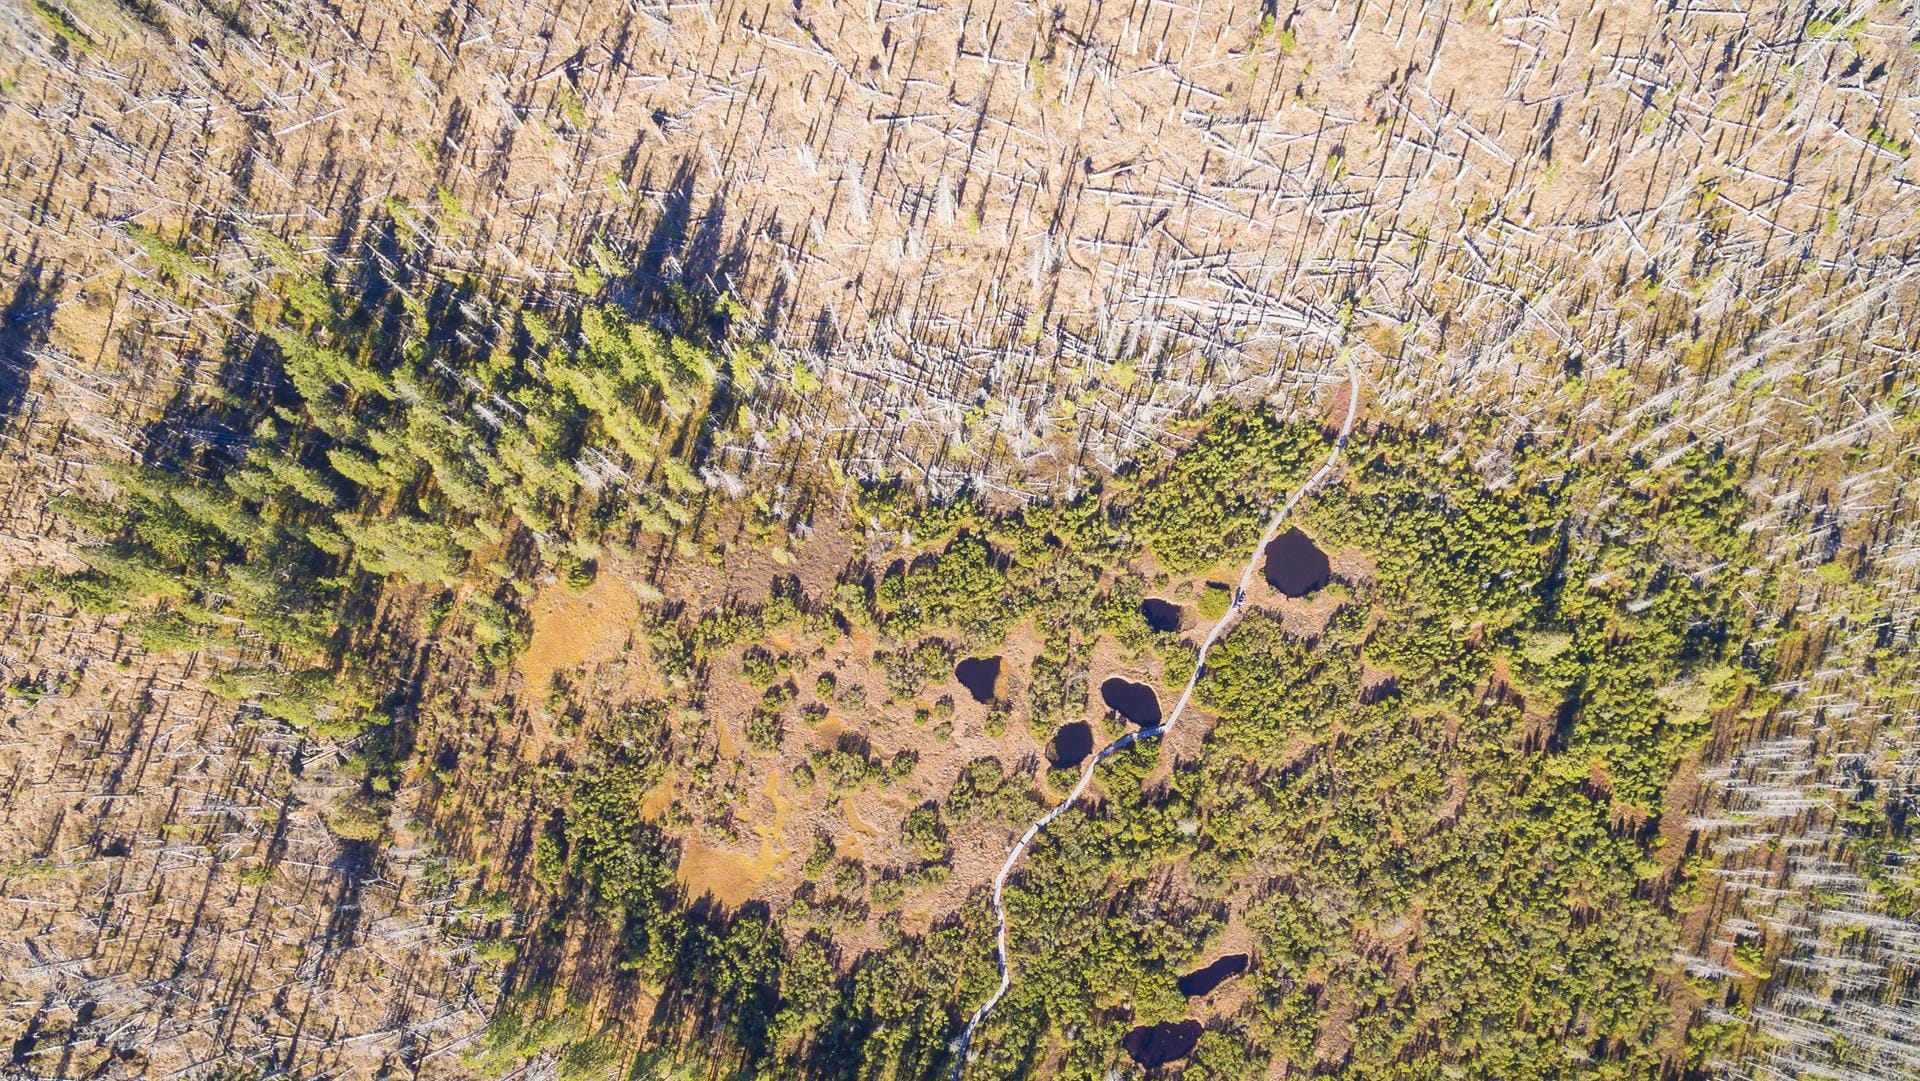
569 542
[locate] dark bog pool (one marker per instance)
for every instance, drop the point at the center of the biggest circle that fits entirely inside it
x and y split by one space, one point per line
1071 745
1161 615
1157 1045
1202 980
1295 565
1134 701
978 675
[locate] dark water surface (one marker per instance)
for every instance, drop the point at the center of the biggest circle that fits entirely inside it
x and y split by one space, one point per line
1162 615
1202 980
978 675
1134 701
1157 1045
1071 745
1295 565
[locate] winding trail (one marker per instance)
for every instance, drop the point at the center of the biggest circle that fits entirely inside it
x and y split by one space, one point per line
1128 740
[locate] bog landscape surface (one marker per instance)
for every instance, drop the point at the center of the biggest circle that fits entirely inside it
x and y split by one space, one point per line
986 541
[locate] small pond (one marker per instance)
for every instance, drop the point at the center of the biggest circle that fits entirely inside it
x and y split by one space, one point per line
1202 980
1295 565
1157 1045
1162 615
980 676
1134 701
1071 745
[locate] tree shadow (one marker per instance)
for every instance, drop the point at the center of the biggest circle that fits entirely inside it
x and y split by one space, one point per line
213 432
24 324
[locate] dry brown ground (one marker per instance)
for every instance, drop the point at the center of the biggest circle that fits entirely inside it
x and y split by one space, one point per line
571 629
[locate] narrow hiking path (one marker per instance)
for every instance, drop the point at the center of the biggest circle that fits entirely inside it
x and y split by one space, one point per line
1128 740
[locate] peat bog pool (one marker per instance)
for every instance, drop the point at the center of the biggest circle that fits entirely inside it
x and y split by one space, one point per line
1295 565
1162 615
1157 1045
1071 745
1134 701
979 675
1202 980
